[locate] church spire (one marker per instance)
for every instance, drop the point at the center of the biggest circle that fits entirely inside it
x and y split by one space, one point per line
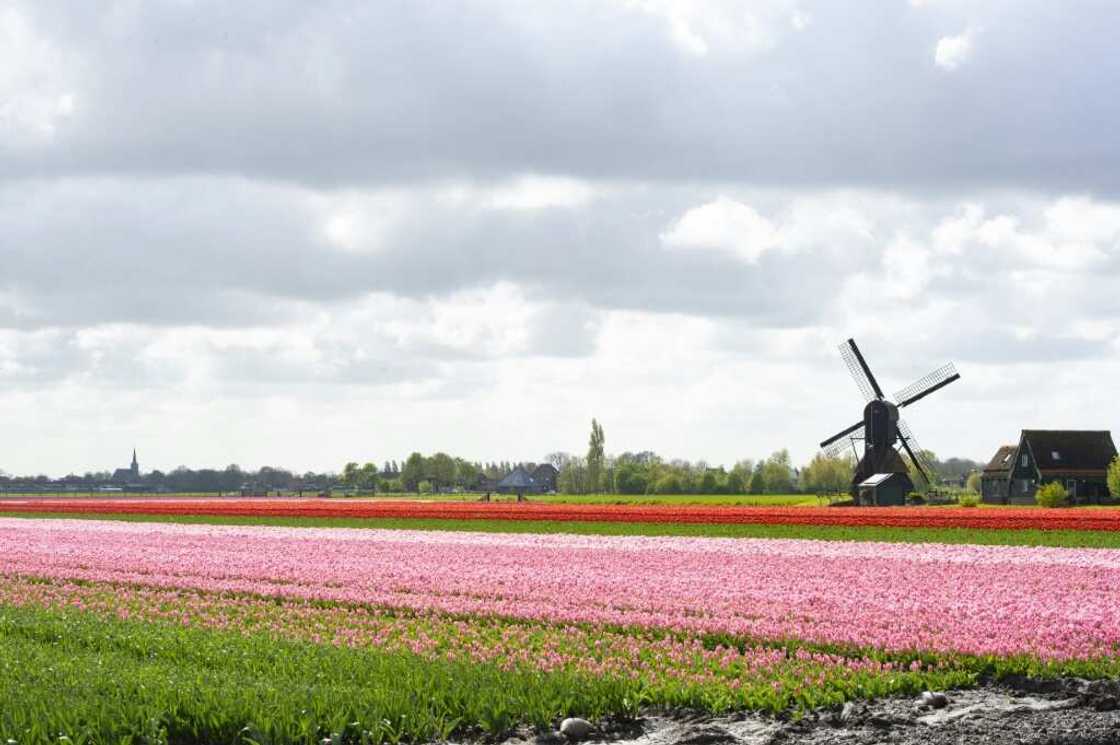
135 464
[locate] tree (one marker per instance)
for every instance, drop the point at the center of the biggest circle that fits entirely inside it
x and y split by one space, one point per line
441 470
573 477
631 478
777 473
758 481
1114 477
827 474
367 477
350 474
596 457
973 483
413 472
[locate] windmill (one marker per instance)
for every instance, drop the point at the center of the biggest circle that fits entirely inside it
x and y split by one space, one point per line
881 426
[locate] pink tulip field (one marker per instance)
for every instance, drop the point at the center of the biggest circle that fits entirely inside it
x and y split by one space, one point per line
711 622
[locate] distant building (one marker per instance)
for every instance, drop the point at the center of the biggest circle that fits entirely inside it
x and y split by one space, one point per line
126 479
544 478
518 482
126 475
1078 459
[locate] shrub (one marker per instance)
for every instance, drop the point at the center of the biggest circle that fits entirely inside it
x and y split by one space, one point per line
968 499
424 487
1114 477
1052 495
915 498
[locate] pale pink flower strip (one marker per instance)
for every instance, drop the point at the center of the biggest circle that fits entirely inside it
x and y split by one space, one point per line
1053 603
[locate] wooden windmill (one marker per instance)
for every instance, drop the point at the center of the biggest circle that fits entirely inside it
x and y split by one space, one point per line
881 427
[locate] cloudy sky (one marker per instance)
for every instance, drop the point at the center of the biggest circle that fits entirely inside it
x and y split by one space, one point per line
301 233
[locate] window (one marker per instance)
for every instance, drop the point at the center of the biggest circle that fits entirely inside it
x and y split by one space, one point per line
1023 460
1024 483
1055 455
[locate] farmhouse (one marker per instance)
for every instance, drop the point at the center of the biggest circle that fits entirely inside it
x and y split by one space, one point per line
544 478
1078 459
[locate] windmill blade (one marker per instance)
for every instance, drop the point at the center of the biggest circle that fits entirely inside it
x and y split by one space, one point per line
840 436
861 373
839 447
926 385
914 450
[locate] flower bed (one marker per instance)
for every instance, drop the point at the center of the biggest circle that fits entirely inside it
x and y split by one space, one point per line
903 517
1046 603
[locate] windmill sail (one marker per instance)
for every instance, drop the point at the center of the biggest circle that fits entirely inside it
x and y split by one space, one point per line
914 450
926 385
861 373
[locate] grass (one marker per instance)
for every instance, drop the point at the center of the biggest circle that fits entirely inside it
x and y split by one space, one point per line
79 678
745 500
1068 538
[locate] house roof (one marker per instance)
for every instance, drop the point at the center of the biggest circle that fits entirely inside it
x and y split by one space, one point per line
1003 459
545 467
878 478
1070 450
518 478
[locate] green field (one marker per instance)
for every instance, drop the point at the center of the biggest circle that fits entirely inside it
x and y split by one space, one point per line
1069 538
756 500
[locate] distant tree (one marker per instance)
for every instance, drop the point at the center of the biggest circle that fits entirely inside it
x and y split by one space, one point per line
350 474
413 472
631 478
669 483
441 470
777 473
826 474
424 487
736 484
367 477
466 473
973 483
573 478
758 480
1114 477
596 456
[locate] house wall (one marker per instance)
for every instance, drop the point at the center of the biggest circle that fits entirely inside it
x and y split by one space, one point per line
993 488
1024 477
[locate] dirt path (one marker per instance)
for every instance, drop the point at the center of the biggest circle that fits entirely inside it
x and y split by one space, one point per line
1061 712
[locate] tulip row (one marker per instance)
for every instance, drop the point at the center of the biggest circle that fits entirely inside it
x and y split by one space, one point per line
669 669
902 517
1054 604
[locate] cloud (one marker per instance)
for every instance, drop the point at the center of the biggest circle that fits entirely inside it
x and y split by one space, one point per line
473 227
953 51
724 225
358 95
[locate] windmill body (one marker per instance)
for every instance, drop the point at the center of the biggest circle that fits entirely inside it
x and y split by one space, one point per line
882 429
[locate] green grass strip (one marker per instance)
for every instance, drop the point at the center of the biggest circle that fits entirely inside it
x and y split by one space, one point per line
79 678
1068 538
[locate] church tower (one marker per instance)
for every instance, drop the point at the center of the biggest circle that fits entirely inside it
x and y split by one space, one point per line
135 465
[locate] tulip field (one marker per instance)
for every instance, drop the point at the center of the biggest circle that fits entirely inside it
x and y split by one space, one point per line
150 630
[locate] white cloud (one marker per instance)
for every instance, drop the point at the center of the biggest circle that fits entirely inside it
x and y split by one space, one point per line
953 51
36 94
724 225
541 192
701 27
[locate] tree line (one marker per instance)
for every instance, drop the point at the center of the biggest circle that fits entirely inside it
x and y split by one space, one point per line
629 473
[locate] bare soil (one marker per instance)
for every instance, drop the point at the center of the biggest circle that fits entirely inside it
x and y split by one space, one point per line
1018 711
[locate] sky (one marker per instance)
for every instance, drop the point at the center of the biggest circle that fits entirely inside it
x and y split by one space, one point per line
299 234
